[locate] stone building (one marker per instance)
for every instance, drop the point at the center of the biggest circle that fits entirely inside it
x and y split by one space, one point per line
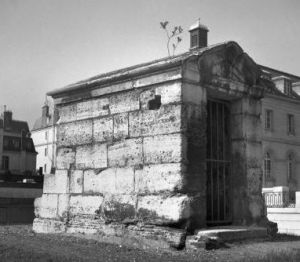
173 143
17 152
44 138
281 132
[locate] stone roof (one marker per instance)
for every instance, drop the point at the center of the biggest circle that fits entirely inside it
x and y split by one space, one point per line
135 70
153 66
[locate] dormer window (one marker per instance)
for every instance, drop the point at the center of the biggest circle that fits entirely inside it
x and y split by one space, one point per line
287 87
283 84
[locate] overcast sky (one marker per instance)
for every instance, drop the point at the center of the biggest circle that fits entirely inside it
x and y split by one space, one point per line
47 44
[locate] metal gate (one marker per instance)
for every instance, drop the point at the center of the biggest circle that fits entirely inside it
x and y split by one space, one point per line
218 164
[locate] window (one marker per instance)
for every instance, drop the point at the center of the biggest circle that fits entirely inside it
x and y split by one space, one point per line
46 135
45 168
291 124
5 162
11 143
290 167
194 40
267 166
268 119
16 144
46 151
155 103
28 145
287 87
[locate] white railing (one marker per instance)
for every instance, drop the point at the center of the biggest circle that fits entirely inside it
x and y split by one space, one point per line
276 196
287 218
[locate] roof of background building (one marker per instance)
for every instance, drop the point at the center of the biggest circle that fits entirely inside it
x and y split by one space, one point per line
16 126
41 124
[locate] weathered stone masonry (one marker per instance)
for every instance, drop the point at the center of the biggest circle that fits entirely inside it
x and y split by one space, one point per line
132 147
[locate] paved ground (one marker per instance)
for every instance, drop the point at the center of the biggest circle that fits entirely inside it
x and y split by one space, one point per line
19 243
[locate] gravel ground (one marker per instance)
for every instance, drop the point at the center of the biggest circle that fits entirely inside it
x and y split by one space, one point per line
19 243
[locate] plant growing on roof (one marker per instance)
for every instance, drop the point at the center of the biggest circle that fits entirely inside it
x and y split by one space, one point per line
171 35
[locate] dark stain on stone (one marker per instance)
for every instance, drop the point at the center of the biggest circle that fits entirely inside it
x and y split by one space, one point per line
116 211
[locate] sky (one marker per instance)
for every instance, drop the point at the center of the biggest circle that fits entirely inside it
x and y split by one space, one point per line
48 44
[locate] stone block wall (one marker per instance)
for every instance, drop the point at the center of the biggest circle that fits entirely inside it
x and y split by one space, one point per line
123 158
248 203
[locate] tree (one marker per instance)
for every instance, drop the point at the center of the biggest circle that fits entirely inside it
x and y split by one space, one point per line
171 35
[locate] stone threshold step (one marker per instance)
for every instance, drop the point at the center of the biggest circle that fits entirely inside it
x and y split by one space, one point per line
215 237
233 233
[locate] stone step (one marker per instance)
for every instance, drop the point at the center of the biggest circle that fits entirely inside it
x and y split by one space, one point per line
215 237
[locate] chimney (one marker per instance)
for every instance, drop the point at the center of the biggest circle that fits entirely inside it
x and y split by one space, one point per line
198 33
7 117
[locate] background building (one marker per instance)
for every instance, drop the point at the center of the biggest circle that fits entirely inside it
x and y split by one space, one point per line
44 137
17 151
281 132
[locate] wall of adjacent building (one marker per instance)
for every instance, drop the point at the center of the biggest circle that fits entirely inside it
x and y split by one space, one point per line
19 160
279 143
42 142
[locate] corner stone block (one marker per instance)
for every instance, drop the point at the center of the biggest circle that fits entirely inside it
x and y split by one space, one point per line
193 94
164 210
56 184
100 107
121 126
163 149
48 226
67 113
119 207
254 154
75 133
170 93
145 97
63 206
256 207
65 158
109 181
37 205
91 156
49 183
46 206
76 181
61 181
125 153
246 126
246 105
124 102
254 180
84 110
165 120
85 206
102 129
155 179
